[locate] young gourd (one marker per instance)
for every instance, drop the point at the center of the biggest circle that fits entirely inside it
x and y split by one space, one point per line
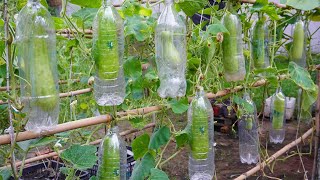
200 126
107 52
36 53
233 58
170 44
259 44
298 47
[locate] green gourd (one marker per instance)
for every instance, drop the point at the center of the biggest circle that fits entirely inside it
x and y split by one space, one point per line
278 112
258 44
170 52
199 130
229 44
297 48
105 44
109 167
208 50
249 122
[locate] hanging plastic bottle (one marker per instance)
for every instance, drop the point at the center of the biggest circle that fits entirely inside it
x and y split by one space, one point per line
200 125
233 58
298 48
278 117
107 51
112 156
170 42
248 134
36 52
259 44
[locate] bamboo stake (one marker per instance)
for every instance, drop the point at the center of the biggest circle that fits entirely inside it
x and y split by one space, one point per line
316 138
274 156
44 156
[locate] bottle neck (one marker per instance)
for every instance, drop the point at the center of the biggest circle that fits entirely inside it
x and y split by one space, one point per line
168 2
107 2
33 1
114 130
200 92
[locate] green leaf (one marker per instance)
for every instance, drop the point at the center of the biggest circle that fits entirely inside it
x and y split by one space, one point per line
259 4
86 16
304 5
159 138
132 68
190 7
138 122
140 146
33 143
269 69
214 29
5 173
2 38
301 77
22 3
93 178
81 157
157 174
179 106
308 98
131 8
142 168
182 138
86 3
315 16
59 23
247 107
141 28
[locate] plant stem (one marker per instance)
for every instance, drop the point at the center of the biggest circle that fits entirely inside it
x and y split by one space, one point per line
163 150
167 160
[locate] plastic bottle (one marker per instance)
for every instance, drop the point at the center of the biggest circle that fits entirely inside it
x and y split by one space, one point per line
298 47
259 44
36 52
248 134
278 117
200 124
171 58
108 51
112 156
233 58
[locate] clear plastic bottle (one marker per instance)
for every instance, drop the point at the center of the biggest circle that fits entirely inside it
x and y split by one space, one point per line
36 52
112 156
108 51
278 117
170 42
248 135
259 44
298 48
200 124
233 58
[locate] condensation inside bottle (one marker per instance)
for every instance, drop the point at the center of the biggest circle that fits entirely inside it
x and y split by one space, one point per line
299 34
36 53
202 169
248 135
170 42
278 117
108 34
233 58
112 156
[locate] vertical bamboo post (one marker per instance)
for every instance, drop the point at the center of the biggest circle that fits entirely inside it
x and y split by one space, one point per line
316 138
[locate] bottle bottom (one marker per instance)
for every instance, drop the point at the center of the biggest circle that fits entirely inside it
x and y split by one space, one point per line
173 87
249 153
201 176
107 99
277 136
249 158
109 92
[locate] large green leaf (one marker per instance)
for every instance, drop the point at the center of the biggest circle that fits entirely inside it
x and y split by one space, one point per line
33 143
5 173
81 157
142 168
247 107
179 106
86 16
140 146
133 7
138 26
308 98
304 5
157 174
86 3
182 138
132 68
159 138
190 7
214 29
301 77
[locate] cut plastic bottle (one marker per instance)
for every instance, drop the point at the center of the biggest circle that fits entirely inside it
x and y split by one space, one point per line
248 134
200 126
233 58
36 52
259 44
278 117
298 47
112 157
170 43
107 52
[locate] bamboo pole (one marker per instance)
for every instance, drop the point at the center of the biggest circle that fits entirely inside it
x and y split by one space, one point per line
274 156
4 139
316 138
44 156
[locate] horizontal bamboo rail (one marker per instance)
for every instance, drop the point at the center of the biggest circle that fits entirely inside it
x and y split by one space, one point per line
52 154
262 165
22 136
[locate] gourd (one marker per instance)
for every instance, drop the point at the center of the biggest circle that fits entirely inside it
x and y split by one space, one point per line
229 44
278 110
258 44
298 42
208 50
170 52
105 45
199 130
